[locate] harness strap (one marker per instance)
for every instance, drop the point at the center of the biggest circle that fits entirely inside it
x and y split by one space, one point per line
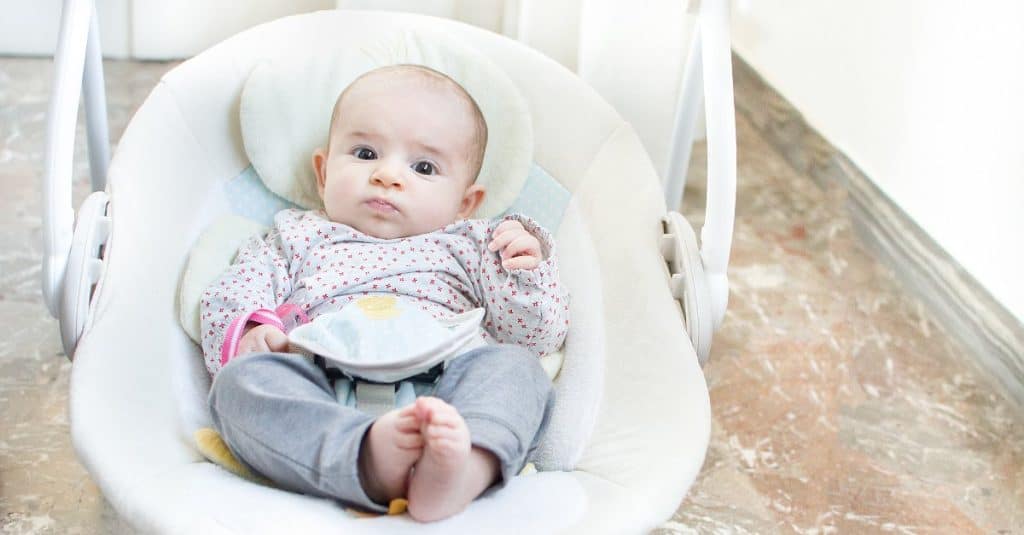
375 399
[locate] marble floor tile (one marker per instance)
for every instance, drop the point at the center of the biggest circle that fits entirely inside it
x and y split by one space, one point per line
838 405
43 488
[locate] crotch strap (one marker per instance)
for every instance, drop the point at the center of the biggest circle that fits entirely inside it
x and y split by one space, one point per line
372 397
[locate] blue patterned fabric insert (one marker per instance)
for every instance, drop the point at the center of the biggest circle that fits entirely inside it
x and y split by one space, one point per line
251 199
542 198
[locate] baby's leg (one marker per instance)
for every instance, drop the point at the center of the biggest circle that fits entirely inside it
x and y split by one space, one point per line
279 415
390 449
495 404
451 472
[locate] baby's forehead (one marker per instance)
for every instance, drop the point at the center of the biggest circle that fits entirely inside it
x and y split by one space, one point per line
409 80
405 77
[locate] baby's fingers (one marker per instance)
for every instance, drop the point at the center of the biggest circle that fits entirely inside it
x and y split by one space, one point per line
276 340
521 262
504 233
506 225
502 241
249 344
524 244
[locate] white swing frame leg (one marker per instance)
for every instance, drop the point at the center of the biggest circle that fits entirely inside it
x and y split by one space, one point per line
716 235
78 68
94 91
708 74
72 262
688 108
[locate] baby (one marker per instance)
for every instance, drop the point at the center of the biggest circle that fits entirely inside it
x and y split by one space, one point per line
397 180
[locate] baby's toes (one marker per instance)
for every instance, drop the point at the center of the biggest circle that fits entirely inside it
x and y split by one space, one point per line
447 451
410 440
406 411
455 435
407 424
442 414
426 406
448 439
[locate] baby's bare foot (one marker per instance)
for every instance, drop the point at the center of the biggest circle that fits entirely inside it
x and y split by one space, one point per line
391 448
451 473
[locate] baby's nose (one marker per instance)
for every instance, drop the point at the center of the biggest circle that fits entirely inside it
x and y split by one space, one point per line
386 177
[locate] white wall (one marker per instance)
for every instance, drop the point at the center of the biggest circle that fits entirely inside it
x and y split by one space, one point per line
926 97
163 29
143 29
487 14
30 27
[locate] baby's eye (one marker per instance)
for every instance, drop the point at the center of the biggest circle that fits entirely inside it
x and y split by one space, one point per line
424 168
364 153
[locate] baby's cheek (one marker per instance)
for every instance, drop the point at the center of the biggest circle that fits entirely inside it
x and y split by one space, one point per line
439 210
335 196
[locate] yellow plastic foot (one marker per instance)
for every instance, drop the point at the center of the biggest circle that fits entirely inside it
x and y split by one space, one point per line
398 506
212 446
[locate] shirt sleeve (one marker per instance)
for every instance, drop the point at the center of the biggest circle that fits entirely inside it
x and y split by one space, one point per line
526 307
258 278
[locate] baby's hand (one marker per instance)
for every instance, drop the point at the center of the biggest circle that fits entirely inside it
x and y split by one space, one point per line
263 339
519 249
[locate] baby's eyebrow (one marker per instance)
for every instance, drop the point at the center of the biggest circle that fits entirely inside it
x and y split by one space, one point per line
362 133
430 149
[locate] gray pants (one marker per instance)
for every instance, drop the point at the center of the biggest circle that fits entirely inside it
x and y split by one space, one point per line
279 415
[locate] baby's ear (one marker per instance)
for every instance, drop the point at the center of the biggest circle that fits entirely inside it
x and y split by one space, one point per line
320 169
471 200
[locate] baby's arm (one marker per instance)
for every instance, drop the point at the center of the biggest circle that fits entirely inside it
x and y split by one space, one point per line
257 279
526 306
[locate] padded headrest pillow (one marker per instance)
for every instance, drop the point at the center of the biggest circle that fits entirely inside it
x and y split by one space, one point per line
286 108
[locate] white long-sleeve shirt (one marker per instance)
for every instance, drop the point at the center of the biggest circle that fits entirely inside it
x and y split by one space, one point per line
320 266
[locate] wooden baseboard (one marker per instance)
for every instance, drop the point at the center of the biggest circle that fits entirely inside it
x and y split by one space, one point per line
958 303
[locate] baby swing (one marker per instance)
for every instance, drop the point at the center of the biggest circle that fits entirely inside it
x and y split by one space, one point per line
632 422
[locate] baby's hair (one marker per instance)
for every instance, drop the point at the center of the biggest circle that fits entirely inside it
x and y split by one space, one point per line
427 74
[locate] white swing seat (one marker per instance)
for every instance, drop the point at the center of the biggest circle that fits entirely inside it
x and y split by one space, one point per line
138 385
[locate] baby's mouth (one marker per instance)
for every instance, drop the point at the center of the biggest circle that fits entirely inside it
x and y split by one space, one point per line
380 205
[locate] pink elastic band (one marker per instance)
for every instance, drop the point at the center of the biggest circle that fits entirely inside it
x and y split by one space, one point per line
287 310
264 316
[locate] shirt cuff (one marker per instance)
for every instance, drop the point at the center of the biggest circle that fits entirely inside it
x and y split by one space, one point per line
546 272
284 318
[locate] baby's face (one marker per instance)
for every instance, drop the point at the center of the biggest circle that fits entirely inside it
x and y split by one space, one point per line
400 158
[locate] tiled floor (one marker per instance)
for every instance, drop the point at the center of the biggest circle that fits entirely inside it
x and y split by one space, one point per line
838 405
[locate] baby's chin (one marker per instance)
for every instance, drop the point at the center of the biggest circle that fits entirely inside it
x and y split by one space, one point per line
390 227
391 231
